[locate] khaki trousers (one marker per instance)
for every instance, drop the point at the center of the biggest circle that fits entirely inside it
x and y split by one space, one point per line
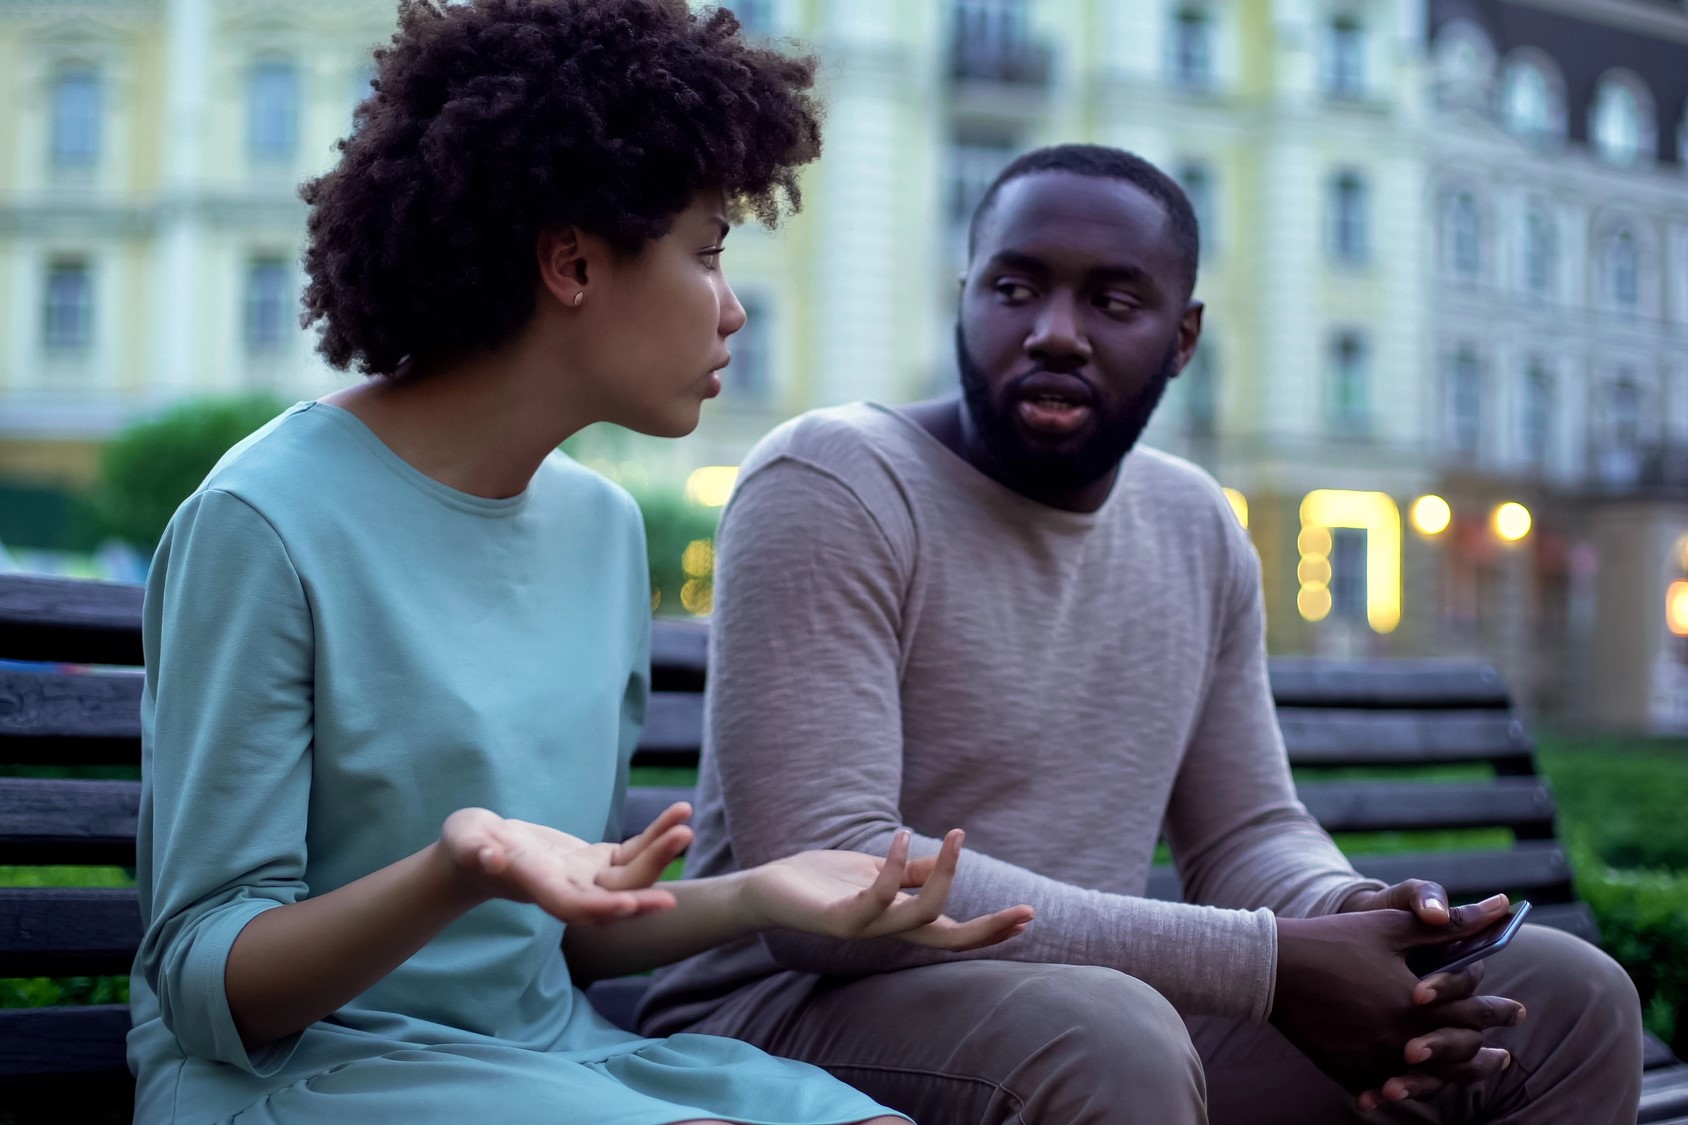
1004 1043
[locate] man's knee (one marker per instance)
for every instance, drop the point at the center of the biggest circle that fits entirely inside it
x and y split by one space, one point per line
1570 987
1070 1041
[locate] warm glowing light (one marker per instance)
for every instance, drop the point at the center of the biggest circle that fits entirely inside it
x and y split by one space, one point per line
1239 505
1431 515
711 485
1313 571
656 599
1512 521
698 596
1314 602
1378 516
1313 541
1676 608
698 559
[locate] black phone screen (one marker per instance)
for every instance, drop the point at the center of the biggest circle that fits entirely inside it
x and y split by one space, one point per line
1426 959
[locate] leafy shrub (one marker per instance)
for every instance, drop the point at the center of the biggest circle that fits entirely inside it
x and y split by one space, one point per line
1643 918
151 466
682 576
1622 798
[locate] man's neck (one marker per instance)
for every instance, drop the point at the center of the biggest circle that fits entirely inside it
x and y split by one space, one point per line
947 420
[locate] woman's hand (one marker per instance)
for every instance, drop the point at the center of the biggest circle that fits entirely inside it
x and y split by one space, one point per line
570 879
852 895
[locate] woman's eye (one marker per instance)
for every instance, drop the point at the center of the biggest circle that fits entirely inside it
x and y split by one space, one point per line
712 258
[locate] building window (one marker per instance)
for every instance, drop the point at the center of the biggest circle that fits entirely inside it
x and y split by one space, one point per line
1348 573
1191 56
269 304
1538 415
1465 404
974 161
1196 178
1538 253
1348 404
993 42
757 16
1201 394
749 378
68 321
76 117
1345 58
274 110
1530 102
1465 236
1622 121
1348 208
1623 269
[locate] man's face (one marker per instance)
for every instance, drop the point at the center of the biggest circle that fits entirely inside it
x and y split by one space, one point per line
1073 319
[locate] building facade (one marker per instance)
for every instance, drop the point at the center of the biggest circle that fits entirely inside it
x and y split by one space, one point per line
1445 254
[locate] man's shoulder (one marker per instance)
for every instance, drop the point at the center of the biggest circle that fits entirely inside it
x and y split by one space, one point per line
1182 487
834 438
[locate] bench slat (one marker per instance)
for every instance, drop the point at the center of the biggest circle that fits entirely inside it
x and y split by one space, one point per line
1375 806
1375 738
68 821
70 718
37 1042
69 621
68 931
1304 681
1664 1096
673 726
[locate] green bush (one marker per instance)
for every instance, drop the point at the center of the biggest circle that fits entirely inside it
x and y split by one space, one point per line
151 466
1643 917
672 525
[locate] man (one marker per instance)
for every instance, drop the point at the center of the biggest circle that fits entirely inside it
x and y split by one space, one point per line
998 611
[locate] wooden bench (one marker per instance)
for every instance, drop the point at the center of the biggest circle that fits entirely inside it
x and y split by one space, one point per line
1338 719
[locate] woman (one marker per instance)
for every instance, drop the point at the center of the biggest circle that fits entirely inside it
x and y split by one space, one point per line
397 647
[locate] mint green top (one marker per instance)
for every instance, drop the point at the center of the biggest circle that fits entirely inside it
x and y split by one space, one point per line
341 651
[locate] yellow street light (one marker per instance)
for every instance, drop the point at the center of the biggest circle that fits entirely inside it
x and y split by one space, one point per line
1431 515
712 485
1676 608
1512 521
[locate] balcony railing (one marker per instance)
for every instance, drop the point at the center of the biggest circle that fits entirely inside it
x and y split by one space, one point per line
993 44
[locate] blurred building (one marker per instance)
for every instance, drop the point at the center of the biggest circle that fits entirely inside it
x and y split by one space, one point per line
1445 253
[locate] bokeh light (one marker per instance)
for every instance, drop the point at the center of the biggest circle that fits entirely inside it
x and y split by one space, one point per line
711 485
1431 515
1512 521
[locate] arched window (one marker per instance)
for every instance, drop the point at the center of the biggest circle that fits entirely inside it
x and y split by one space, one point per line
273 107
1348 401
1623 269
76 112
1190 47
1464 64
1538 414
1465 235
1621 124
1345 57
1540 247
1465 404
1348 218
1532 105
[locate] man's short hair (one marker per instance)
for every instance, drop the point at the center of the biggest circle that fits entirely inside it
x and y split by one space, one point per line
1107 163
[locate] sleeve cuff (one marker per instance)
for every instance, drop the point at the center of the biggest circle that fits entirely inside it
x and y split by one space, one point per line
208 997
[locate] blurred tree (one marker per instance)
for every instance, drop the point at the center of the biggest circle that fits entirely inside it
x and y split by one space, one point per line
680 540
151 466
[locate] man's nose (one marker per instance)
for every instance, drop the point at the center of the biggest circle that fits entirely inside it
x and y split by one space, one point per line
1056 339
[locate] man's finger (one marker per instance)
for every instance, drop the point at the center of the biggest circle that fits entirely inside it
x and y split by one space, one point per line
1479 1013
1444 1045
1449 986
1463 921
1430 902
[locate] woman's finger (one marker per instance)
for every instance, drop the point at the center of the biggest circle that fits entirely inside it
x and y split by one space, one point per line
648 865
911 912
674 814
975 933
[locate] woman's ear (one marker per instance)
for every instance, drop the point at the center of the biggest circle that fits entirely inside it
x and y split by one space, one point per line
562 265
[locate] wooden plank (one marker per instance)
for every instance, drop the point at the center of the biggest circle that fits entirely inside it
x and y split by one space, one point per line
679 653
68 931
1664 1096
1537 870
39 1042
1375 738
70 718
82 822
1384 805
1304 681
1656 1053
673 728
645 803
69 621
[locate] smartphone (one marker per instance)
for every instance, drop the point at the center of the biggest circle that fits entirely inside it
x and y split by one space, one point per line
1456 955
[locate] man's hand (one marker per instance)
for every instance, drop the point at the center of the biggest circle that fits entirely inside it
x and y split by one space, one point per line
1346 998
1439 1057
852 895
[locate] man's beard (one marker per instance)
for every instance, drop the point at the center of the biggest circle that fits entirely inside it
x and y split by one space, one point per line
1115 430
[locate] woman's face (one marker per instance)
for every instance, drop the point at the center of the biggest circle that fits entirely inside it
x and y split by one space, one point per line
661 322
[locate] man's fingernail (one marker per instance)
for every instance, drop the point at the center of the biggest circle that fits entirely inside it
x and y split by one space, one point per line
1505 1061
1433 904
1429 995
1493 902
1518 1016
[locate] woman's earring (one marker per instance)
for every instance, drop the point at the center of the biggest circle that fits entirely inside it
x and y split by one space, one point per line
579 297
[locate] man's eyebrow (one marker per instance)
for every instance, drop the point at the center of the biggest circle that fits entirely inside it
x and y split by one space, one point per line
1122 272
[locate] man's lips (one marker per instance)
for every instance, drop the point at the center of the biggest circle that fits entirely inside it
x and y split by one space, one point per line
1057 405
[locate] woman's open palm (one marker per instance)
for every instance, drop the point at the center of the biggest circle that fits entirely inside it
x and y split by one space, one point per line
853 895
570 879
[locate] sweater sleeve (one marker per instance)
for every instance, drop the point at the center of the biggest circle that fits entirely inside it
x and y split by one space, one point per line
227 718
805 733
1238 833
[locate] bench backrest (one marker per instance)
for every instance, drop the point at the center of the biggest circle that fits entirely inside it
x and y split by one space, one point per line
1340 721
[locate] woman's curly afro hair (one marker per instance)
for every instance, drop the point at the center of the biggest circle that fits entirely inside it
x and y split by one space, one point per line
494 120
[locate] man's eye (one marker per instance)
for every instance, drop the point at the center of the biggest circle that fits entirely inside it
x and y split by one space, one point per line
1013 290
1115 304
